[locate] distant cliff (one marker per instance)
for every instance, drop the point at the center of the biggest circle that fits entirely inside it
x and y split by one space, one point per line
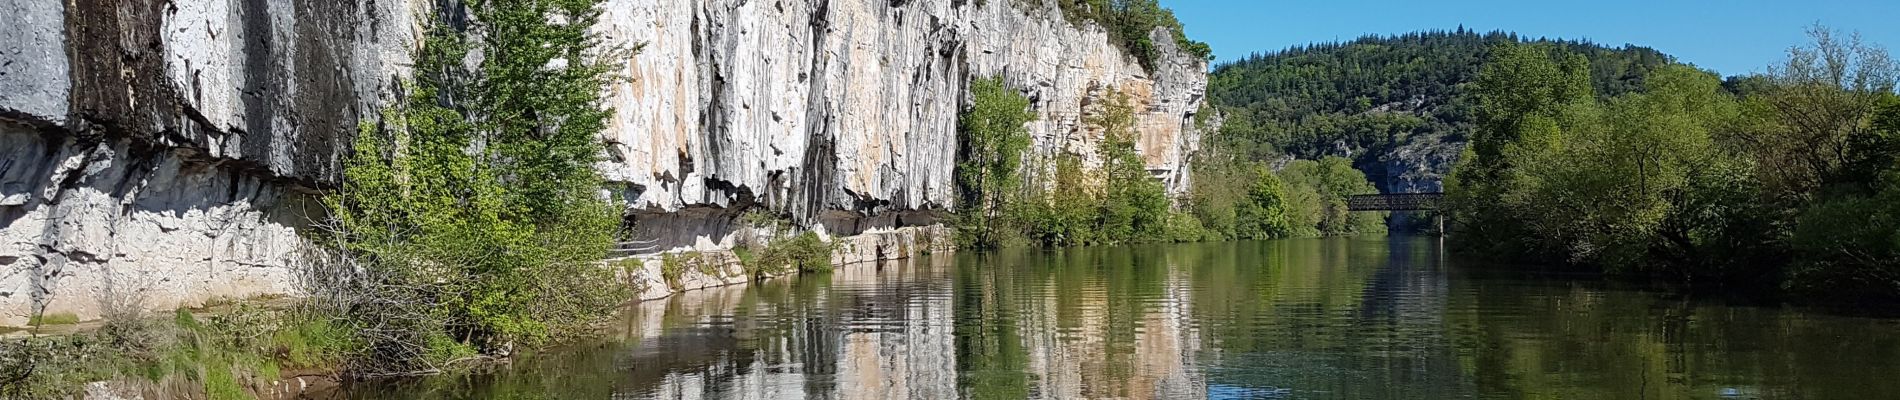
167 152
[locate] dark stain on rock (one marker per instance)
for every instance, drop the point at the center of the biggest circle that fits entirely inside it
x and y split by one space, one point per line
120 89
261 81
324 50
118 67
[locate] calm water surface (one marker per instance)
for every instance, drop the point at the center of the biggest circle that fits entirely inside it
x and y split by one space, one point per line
1366 318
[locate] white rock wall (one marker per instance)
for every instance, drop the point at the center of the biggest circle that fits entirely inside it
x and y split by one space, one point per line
162 153
847 108
170 148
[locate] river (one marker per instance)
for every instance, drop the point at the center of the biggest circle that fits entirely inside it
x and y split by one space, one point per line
1343 318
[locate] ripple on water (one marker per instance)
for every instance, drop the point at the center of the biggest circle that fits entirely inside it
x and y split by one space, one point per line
1328 319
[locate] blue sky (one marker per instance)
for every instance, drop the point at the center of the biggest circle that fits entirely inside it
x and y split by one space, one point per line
1730 37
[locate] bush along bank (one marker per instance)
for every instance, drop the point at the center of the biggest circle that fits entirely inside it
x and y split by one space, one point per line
1779 184
467 225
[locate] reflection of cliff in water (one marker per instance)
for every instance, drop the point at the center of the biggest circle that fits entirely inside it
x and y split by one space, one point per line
1361 318
994 326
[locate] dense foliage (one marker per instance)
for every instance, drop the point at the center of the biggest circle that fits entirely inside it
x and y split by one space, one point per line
1117 202
468 221
992 139
1316 193
1790 183
1368 97
1130 24
1235 199
1120 201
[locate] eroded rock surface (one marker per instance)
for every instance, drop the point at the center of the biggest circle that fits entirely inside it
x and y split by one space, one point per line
837 111
166 152
160 153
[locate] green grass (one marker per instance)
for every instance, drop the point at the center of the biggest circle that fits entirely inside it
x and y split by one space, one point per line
313 342
64 318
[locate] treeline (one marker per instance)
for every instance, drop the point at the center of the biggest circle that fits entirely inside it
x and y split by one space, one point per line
1128 23
1782 181
1365 97
1120 201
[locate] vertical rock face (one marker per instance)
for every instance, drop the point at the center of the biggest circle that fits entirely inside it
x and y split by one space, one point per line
843 113
157 153
166 152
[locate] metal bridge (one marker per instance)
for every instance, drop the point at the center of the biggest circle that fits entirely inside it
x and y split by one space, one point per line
1395 202
1401 202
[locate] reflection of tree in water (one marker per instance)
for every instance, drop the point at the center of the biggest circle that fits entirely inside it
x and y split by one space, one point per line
1326 318
1529 336
1332 318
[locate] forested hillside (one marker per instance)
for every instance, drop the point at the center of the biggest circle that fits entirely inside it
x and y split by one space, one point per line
1399 106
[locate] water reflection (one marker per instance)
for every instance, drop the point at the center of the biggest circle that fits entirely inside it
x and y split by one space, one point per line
1331 318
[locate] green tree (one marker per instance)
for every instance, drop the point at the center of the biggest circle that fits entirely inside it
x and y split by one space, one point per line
1529 95
1849 241
1817 109
1069 215
470 211
1264 213
992 138
1134 206
1317 192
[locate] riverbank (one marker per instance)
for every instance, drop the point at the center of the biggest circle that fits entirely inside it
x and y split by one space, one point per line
712 266
268 348
1359 317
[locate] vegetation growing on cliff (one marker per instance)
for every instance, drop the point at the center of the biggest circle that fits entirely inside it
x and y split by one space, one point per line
1788 184
1129 23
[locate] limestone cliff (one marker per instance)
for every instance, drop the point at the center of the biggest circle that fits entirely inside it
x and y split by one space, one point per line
167 151
843 112
158 153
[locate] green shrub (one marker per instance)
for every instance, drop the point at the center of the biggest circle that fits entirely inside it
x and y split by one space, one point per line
804 253
672 267
809 252
1129 22
471 208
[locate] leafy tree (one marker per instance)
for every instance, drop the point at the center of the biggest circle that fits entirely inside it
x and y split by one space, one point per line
1135 205
1816 110
1782 180
1849 241
992 139
1264 214
1129 24
1530 96
1317 193
468 217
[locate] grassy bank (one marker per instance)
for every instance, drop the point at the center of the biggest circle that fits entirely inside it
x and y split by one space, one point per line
237 351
